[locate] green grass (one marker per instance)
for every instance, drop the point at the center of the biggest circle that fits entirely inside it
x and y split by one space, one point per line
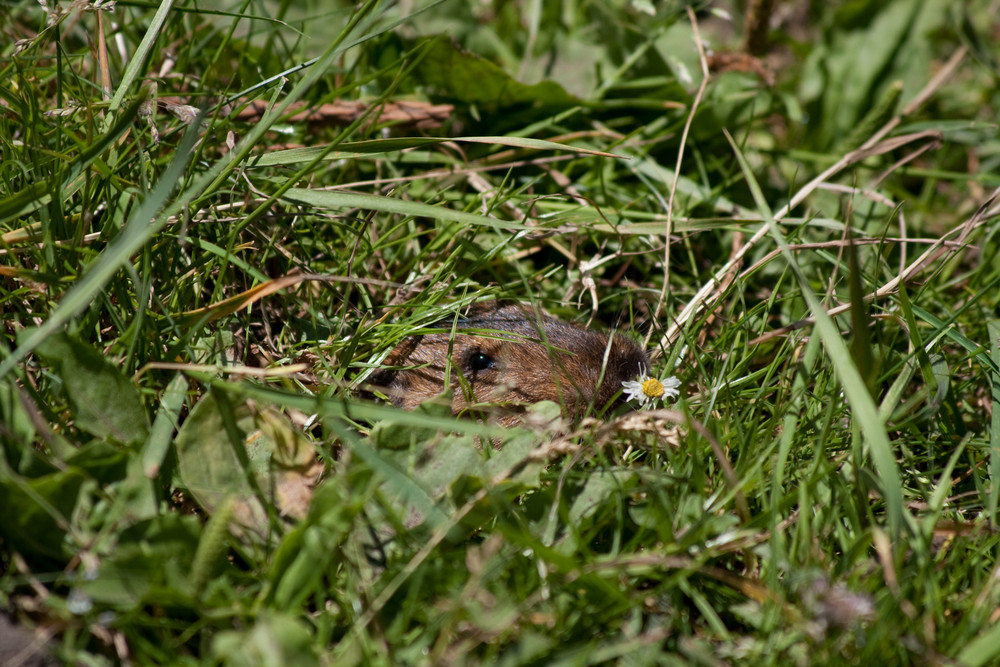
192 472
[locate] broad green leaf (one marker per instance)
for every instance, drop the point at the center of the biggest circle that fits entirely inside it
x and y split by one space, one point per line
274 640
212 459
256 457
461 75
421 479
103 401
597 490
149 559
36 513
18 434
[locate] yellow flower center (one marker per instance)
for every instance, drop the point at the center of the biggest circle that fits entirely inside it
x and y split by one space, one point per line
652 388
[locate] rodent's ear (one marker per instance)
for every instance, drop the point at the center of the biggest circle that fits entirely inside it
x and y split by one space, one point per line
482 310
401 352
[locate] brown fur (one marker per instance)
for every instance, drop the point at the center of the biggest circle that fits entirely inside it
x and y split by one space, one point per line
515 357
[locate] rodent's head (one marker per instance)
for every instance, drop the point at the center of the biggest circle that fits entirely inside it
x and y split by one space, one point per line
511 354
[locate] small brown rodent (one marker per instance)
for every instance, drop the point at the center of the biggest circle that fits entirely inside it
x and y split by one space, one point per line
511 354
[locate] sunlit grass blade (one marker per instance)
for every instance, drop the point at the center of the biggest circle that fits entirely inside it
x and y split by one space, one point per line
334 200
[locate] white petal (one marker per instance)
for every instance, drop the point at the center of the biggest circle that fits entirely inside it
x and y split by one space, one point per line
632 389
670 385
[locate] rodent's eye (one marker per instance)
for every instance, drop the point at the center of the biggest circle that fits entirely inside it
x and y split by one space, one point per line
479 361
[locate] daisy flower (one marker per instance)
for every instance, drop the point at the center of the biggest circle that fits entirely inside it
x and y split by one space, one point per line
650 389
